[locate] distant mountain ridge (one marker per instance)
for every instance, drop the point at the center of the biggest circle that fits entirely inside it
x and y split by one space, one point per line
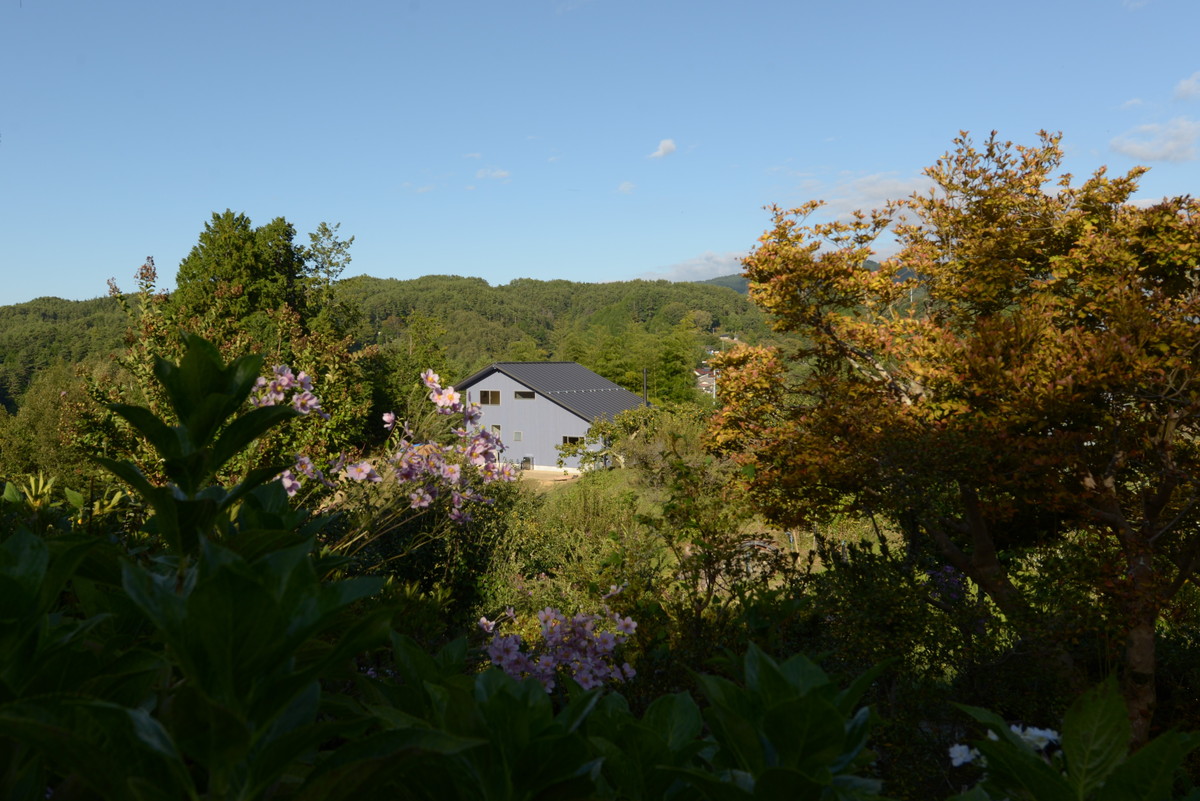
474 321
738 282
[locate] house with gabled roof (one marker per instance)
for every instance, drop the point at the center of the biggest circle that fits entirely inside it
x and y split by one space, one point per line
536 406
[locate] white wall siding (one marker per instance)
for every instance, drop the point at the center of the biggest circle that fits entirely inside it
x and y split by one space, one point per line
542 423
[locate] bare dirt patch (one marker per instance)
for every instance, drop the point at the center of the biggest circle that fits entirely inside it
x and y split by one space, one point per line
546 480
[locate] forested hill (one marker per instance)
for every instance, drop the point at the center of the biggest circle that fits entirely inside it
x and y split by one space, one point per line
530 319
49 331
470 322
736 282
739 283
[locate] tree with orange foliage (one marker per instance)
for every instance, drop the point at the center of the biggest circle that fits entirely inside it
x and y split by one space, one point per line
1029 360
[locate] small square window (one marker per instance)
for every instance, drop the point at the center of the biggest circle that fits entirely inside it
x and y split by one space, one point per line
518 436
521 394
489 397
571 440
496 430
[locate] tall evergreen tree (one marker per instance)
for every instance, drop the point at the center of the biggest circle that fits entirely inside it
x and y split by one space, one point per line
241 271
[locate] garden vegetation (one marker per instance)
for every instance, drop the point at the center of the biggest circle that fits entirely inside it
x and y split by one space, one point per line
938 538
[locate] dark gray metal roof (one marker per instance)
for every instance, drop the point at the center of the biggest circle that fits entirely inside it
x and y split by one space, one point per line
569 384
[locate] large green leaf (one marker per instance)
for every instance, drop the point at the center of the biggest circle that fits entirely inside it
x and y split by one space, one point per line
1018 770
371 762
806 734
24 560
1150 772
675 718
170 442
1095 737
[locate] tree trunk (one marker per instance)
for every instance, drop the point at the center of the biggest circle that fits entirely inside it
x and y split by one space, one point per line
1138 683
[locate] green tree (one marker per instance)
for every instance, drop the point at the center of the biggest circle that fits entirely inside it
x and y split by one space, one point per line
326 258
239 272
1027 362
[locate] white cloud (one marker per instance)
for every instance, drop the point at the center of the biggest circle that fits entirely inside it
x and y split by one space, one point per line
706 265
472 155
1188 88
867 192
665 148
420 190
1132 102
1173 141
492 172
626 187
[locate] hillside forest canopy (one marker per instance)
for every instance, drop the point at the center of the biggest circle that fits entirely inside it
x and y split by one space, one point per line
937 536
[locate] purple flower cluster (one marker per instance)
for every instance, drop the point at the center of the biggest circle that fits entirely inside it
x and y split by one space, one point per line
428 470
274 391
572 645
947 584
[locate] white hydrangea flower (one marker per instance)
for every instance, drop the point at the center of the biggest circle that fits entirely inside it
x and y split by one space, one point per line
964 755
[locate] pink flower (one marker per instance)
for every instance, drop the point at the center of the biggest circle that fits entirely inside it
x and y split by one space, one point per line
389 421
445 398
290 484
420 498
362 471
431 379
283 377
306 402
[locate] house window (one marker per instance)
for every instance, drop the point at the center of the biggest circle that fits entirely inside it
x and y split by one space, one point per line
496 431
571 440
521 394
518 436
489 397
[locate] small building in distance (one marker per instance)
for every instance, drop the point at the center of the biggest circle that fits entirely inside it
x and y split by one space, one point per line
536 406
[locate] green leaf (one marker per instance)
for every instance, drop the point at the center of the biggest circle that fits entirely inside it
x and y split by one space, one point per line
24 559
736 786
74 498
246 428
168 441
577 710
806 734
1016 769
372 760
1149 773
764 677
676 719
1095 737
786 784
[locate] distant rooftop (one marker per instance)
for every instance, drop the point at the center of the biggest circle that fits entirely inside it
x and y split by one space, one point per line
569 384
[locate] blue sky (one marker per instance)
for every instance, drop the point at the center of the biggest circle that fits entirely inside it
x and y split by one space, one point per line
592 140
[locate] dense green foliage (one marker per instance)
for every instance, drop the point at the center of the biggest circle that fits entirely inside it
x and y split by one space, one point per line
211 654
452 325
176 624
48 331
615 329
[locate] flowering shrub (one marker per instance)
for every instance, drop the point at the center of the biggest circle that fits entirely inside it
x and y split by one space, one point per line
424 471
575 646
273 392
